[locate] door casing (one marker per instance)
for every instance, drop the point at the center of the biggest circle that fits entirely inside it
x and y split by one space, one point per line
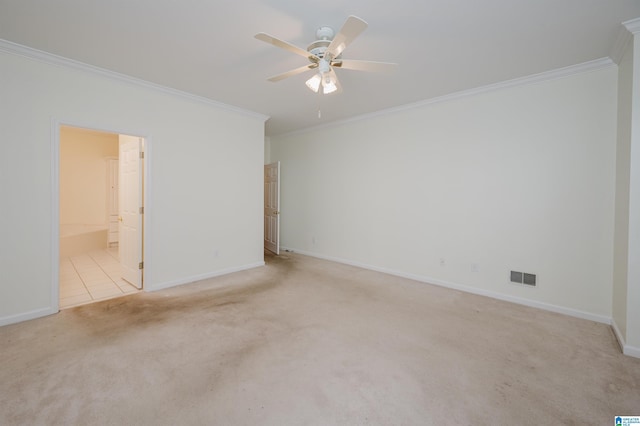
56 124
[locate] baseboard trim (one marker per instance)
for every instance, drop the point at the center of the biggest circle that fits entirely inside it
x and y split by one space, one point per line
38 313
631 351
626 349
467 289
618 334
200 277
26 316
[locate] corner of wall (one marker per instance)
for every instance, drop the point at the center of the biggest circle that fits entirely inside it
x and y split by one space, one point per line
624 347
267 150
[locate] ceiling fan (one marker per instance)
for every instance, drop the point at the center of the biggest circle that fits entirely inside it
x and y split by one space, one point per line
325 54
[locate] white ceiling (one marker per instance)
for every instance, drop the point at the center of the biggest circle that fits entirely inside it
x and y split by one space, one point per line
207 47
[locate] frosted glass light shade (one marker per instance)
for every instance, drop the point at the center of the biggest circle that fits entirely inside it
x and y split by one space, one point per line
328 86
314 83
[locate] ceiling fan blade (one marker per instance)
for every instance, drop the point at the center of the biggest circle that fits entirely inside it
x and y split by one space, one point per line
353 64
349 31
284 45
292 72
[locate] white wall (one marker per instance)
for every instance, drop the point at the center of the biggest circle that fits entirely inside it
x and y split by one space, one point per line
83 175
519 178
204 178
623 167
633 278
267 150
626 278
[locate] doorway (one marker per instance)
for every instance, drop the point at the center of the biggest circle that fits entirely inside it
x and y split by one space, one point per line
96 182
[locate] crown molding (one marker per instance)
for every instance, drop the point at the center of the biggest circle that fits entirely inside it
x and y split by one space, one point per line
51 59
627 30
594 65
633 26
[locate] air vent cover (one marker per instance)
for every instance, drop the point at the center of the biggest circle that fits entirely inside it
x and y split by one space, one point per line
523 278
529 279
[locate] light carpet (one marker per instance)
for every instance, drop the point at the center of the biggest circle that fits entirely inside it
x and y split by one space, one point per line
304 341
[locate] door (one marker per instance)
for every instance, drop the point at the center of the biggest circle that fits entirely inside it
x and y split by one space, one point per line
272 207
113 212
130 206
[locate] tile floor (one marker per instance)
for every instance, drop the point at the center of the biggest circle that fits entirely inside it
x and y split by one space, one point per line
91 277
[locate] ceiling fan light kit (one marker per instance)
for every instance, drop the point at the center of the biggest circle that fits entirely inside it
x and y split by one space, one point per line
324 77
314 83
328 85
324 55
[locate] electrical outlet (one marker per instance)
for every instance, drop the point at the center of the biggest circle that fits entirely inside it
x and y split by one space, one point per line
442 262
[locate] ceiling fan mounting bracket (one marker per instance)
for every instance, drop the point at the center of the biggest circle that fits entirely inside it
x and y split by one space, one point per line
325 33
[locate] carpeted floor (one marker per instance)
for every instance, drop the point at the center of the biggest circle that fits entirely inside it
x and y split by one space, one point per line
309 342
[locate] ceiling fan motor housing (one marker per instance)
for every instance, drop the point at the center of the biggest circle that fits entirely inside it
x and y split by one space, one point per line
318 48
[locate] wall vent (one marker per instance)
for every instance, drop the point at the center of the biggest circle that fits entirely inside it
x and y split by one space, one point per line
523 278
529 279
516 277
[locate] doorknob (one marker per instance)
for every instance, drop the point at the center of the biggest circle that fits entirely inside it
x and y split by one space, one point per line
120 218
276 212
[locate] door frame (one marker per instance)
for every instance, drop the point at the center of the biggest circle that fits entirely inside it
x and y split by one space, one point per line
56 124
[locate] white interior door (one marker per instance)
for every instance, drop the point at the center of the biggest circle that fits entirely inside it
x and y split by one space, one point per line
113 212
130 205
272 207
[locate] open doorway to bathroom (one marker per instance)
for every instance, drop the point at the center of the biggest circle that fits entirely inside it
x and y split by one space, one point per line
100 177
